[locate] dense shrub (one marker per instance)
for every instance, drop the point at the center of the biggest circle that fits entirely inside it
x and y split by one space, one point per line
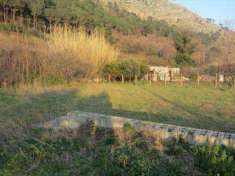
183 59
185 48
214 160
126 68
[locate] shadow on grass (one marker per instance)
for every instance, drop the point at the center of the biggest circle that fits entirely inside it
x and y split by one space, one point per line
19 111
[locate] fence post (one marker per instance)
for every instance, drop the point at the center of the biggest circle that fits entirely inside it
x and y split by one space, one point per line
216 80
165 80
150 79
123 79
233 82
181 79
136 78
98 79
109 78
198 79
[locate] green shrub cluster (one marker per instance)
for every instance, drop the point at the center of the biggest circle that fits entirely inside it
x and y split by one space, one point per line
214 160
86 154
97 151
128 68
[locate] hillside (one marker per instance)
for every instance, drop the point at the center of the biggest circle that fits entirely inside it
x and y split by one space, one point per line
214 47
168 11
91 56
149 30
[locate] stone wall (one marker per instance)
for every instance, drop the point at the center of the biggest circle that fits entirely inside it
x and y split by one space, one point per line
160 131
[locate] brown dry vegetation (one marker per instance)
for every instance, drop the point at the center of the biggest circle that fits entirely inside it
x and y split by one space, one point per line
150 45
63 55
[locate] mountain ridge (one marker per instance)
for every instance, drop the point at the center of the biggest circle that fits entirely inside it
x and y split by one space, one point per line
168 11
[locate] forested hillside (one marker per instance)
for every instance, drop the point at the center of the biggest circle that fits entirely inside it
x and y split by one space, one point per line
159 32
87 13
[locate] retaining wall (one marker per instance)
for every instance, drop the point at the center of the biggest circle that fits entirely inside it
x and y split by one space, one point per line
73 120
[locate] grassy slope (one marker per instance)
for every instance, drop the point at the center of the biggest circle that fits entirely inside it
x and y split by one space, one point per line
202 108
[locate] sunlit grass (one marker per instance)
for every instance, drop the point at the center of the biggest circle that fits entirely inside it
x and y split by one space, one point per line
204 107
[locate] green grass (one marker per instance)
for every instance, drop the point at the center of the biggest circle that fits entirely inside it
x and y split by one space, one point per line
93 151
204 107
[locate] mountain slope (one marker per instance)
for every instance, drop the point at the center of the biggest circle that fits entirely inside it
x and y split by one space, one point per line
168 11
214 45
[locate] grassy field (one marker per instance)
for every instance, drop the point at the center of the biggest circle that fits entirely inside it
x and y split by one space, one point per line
204 107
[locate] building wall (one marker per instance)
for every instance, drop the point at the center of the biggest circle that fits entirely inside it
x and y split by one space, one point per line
164 73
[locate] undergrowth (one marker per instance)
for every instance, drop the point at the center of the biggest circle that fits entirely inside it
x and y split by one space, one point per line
97 151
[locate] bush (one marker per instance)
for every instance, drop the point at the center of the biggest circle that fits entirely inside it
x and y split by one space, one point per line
214 160
127 68
183 59
40 155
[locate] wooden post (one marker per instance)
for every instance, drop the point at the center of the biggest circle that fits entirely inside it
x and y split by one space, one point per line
198 79
123 81
181 79
136 79
150 79
98 79
233 82
109 78
165 80
216 80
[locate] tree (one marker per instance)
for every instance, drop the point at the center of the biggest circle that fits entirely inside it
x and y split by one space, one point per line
183 59
184 44
4 5
49 12
36 8
16 5
185 49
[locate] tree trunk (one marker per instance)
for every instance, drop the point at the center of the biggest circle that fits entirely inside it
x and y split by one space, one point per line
28 22
34 21
14 15
21 17
6 14
50 23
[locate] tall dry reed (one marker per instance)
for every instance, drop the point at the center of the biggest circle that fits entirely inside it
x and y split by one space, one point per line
91 50
65 55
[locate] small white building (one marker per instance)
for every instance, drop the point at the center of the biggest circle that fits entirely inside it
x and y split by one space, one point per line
160 73
221 78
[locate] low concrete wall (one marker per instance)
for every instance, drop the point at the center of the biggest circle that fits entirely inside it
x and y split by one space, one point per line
160 131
